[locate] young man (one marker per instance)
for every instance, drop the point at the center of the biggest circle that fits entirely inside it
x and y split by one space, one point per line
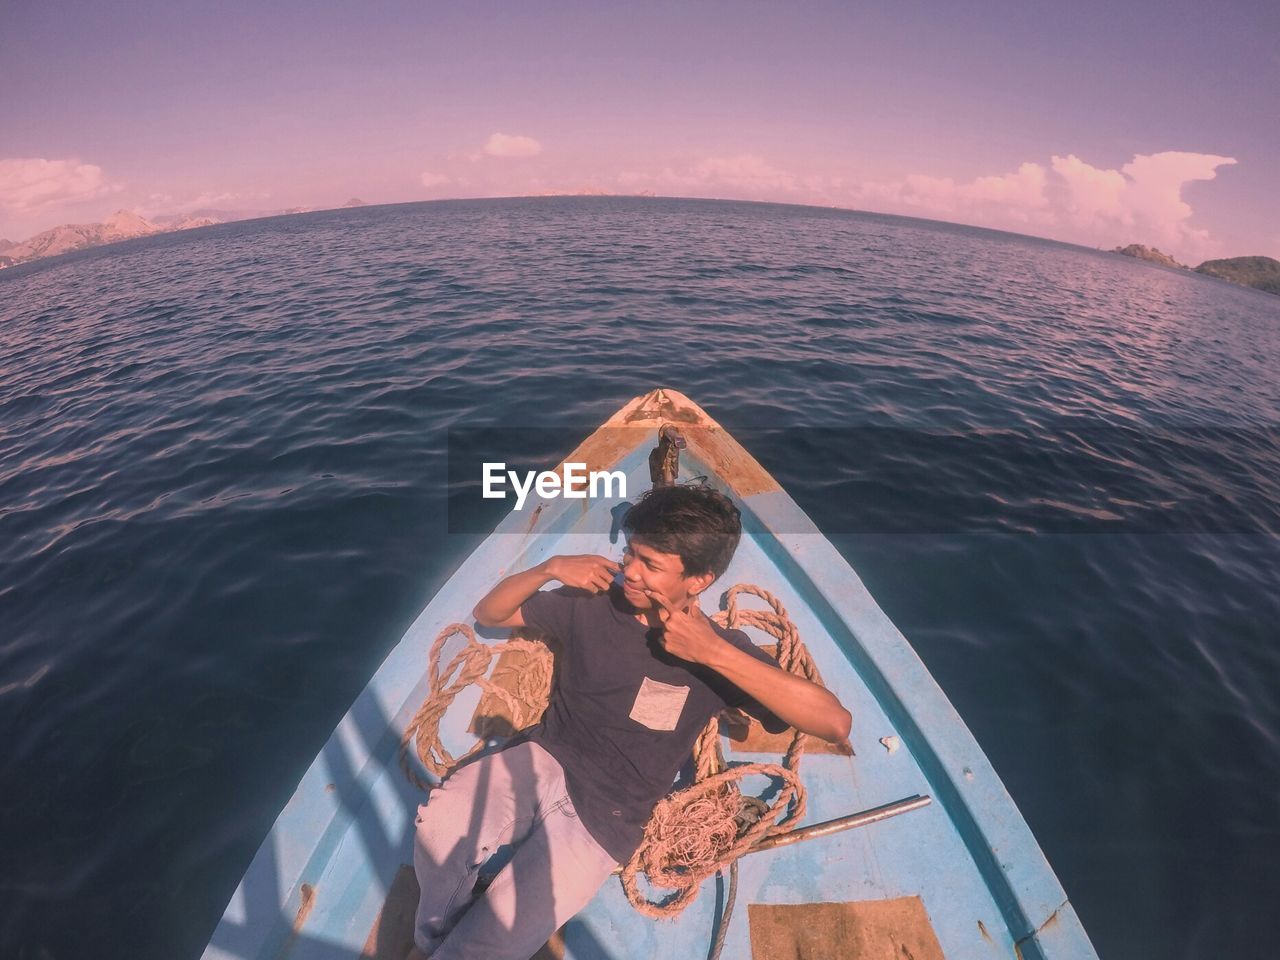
641 671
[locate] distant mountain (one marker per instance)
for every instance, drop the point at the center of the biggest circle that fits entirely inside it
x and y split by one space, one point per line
1149 253
190 223
221 215
124 225
1261 273
121 225
355 202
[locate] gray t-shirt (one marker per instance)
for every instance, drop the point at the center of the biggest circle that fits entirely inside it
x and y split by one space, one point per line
624 713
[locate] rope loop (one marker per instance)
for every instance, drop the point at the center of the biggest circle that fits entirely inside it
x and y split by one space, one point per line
471 665
707 826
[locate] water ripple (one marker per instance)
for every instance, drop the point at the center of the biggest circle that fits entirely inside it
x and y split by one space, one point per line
222 498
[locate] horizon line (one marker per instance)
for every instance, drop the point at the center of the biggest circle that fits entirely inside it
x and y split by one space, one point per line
578 196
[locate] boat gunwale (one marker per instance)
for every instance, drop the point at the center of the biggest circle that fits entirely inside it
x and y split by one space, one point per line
1020 879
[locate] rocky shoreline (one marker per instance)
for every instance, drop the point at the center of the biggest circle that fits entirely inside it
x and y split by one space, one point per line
1261 273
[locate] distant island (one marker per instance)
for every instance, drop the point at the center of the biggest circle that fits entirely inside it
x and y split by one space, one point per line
1261 273
1139 252
122 225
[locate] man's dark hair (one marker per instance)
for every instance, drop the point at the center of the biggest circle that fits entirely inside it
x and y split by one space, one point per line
699 524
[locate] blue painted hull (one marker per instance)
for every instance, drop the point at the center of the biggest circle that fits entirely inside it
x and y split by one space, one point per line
317 885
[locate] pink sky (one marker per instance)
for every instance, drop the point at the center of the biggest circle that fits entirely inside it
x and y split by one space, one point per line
1101 127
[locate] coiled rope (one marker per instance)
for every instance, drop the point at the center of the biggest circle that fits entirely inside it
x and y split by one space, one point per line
699 830
471 665
692 833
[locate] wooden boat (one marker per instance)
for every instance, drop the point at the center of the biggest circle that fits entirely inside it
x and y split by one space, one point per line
960 877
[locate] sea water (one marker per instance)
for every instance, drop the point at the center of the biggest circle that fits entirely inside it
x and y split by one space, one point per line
223 498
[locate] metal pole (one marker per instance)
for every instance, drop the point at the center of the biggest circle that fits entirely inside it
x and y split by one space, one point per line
827 827
874 815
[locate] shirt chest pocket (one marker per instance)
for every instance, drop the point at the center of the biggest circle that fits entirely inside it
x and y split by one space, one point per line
658 705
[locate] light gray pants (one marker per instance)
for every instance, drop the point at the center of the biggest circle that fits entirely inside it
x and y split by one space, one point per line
514 800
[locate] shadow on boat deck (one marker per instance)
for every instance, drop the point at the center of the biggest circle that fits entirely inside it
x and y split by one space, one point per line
270 914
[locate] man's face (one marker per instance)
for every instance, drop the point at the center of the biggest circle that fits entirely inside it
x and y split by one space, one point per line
644 568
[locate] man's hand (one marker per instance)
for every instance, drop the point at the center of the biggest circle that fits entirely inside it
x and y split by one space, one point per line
686 631
807 706
585 571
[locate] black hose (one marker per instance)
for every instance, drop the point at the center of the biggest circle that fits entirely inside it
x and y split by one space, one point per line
723 930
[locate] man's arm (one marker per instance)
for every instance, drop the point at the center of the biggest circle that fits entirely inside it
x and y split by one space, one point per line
803 704
501 605
794 700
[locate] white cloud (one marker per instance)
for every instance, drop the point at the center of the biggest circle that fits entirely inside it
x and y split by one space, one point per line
213 198
166 204
743 173
1070 199
935 194
1021 192
1143 197
1019 196
1093 196
30 183
430 179
508 145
